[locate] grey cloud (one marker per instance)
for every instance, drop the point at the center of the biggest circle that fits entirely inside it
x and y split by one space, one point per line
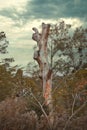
13 14
58 8
76 10
47 9
9 12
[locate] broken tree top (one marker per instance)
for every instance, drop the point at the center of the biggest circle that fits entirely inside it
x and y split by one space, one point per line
41 36
41 56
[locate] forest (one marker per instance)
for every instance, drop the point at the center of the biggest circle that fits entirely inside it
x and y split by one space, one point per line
25 102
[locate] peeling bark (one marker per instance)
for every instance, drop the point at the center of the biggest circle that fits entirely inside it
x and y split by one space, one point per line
41 56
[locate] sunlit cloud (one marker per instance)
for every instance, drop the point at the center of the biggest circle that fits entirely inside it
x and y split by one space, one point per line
9 3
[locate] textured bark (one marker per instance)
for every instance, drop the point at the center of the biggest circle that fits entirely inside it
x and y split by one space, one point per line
41 56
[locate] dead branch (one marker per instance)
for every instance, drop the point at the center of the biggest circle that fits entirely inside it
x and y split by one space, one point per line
74 113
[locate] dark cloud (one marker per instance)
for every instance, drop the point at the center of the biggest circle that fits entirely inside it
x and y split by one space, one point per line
9 12
58 8
48 9
12 14
78 9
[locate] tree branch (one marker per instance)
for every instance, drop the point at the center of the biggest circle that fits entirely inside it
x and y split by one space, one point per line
73 114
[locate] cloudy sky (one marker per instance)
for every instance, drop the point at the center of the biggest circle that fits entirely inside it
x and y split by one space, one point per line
17 17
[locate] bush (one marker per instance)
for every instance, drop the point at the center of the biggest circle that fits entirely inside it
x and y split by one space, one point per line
14 115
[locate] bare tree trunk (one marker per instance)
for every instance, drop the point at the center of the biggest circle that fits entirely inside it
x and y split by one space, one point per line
41 56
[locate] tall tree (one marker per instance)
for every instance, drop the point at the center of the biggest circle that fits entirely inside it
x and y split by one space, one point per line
61 50
3 43
6 85
3 49
41 56
67 48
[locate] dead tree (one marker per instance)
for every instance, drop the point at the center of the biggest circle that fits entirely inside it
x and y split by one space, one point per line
41 56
